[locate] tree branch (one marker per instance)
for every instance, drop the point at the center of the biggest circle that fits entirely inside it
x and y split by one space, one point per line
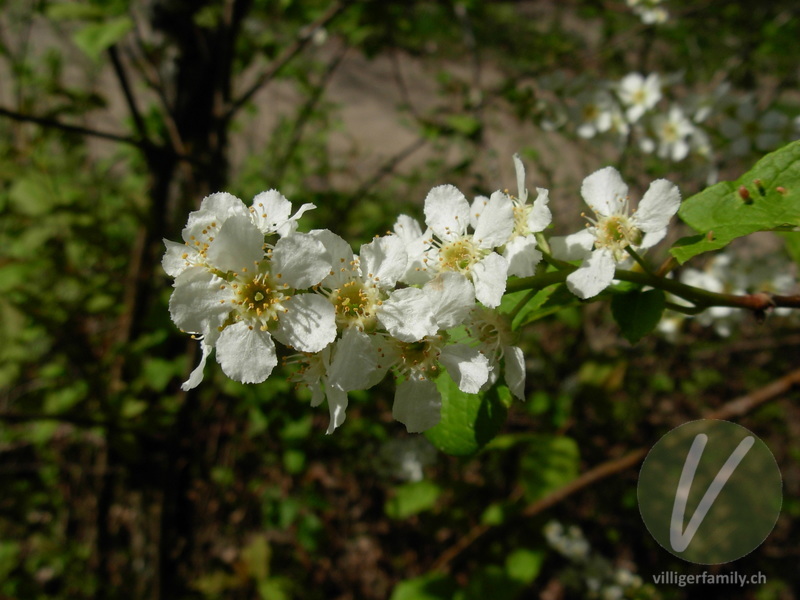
45 122
130 99
304 37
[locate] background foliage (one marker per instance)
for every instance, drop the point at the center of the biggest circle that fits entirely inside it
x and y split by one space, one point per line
118 117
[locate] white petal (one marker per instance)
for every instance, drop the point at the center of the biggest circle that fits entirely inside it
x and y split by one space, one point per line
246 353
659 203
337 405
196 376
270 210
451 296
238 245
343 268
354 360
408 315
417 405
604 191
174 262
447 212
496 222
384 259
417 243
522 256
594 275
200 301
489 277
300 260
540 216
515 371
309 323
214 210
476 209
573 246
651 239
466 365
520 171
223 205
290 226
407 228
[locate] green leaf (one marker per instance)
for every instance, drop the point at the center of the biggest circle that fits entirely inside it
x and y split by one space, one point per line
96 38
766 197
637 313
466 125
523 565
426 587
412 498
468 421
539 305
492 581
64 11
549 463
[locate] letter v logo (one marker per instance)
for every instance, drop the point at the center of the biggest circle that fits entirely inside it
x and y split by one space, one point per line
710 491
681 540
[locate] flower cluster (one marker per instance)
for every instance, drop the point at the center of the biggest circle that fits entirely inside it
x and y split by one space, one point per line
592 575
246 278
652 113
649 11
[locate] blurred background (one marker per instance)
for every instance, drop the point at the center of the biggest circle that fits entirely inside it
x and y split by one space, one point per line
117 118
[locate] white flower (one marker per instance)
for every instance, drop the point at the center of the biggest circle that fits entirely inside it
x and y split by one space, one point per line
603 244
447 214
748 129
239 296
269 213
639 94
595 111
406 458
418 352
649 11
495 341
673 131
520 250
314 375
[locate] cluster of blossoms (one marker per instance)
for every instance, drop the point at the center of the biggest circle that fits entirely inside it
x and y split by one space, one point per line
651 12
591 574
245 277
647 111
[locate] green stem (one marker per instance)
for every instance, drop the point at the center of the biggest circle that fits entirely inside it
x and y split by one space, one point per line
639 260
700 298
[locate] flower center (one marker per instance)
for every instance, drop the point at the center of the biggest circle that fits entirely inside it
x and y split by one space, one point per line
521 212
490 329
460 255
616 233
590 112
669 132
355 304
420 360
259 299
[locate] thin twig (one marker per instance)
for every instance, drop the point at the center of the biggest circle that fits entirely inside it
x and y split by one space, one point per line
735 408
130 99
45 122
305 36
305 114
388 167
